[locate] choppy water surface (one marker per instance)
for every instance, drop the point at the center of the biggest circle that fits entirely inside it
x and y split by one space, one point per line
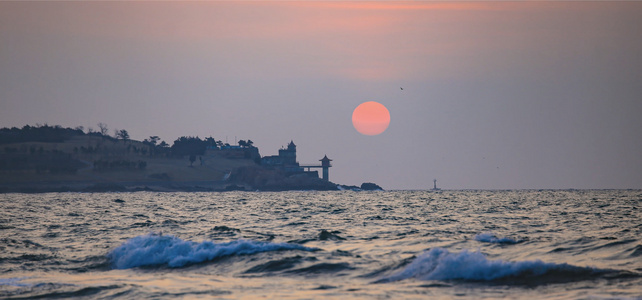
394 244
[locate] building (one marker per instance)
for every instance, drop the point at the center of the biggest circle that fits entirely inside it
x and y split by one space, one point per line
286 161
325 165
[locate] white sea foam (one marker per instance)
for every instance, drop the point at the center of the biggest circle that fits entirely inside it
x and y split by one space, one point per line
440 264
489 237
151 249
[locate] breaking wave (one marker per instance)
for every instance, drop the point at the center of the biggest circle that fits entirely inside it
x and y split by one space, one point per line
440 264
158 250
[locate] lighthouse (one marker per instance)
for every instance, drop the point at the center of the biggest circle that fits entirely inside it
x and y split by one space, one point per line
434 187
325 164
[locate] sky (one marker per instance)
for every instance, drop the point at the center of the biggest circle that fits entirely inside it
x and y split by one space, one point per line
496 95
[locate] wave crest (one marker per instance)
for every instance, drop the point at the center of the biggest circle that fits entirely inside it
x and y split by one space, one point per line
440 264
156 250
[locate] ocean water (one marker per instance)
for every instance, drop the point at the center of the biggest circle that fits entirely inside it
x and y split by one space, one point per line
548 244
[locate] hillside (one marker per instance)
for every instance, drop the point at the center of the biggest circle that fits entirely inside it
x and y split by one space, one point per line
83 162
52 158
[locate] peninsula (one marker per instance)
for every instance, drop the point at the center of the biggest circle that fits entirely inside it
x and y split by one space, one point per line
47 158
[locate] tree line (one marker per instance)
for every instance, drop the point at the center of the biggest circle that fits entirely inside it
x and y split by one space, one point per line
183 146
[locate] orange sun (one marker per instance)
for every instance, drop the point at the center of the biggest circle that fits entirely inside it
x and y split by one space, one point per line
370 118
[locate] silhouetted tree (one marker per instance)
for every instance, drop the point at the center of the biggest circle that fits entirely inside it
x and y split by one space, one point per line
40 133
192 159
154 139
103 128
188 146
122 134
211 142
151 142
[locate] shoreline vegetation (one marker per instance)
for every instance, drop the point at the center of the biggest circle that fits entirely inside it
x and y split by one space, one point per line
44 158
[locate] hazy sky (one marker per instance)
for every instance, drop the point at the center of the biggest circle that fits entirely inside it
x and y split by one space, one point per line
495 95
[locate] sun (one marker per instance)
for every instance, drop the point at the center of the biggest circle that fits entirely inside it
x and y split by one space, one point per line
370 118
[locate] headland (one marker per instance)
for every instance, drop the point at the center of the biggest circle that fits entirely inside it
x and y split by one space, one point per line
56 159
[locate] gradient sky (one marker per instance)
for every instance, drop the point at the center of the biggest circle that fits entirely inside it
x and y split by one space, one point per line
496 95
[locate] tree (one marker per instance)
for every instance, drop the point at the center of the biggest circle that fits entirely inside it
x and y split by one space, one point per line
154 139
103 128
250 144
188 146
192 159
211 142
122 134
43 133
242 143
151 141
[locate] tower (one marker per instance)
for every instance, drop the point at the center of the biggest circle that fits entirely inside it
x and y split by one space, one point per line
434 181
292 146
288 155
325 164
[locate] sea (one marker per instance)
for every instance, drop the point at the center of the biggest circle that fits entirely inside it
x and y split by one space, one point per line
450 244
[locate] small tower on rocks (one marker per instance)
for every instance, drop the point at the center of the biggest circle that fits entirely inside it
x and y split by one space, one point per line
325 164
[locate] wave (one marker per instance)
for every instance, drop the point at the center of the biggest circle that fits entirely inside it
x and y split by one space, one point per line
322 268
14 288
440 264
279 264
489 237
636 251
324 235
225 229
158 250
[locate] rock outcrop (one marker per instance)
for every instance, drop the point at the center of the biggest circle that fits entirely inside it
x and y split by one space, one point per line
369 186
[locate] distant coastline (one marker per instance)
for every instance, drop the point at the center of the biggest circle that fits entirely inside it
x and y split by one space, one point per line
43 158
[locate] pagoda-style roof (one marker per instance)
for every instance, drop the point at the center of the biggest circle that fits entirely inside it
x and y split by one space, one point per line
325 158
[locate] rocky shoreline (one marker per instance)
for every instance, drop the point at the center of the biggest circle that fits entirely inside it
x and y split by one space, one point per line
287 184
